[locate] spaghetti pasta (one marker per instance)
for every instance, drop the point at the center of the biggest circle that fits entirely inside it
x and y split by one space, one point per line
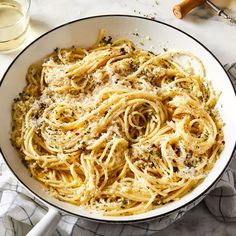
115 128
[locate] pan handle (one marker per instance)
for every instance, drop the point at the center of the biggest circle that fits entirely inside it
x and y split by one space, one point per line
46 225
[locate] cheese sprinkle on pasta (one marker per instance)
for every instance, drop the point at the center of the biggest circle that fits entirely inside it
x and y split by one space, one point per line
117 129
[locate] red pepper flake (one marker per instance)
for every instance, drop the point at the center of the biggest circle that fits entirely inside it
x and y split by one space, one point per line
77 133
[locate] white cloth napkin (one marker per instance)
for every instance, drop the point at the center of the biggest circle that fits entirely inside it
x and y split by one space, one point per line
20 211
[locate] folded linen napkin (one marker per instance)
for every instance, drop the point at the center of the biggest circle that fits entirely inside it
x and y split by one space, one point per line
20 211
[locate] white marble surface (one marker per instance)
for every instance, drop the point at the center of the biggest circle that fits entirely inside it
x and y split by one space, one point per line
217 34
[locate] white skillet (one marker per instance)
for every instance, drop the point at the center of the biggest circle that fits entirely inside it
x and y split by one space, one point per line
149 34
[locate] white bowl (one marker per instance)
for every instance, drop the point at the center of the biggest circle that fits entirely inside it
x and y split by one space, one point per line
154 36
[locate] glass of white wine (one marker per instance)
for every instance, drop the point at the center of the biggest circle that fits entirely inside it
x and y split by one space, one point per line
14 23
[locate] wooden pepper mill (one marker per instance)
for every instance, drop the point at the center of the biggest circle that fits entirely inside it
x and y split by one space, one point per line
181 9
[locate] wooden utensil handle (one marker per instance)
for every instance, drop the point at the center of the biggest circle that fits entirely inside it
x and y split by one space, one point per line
181 9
